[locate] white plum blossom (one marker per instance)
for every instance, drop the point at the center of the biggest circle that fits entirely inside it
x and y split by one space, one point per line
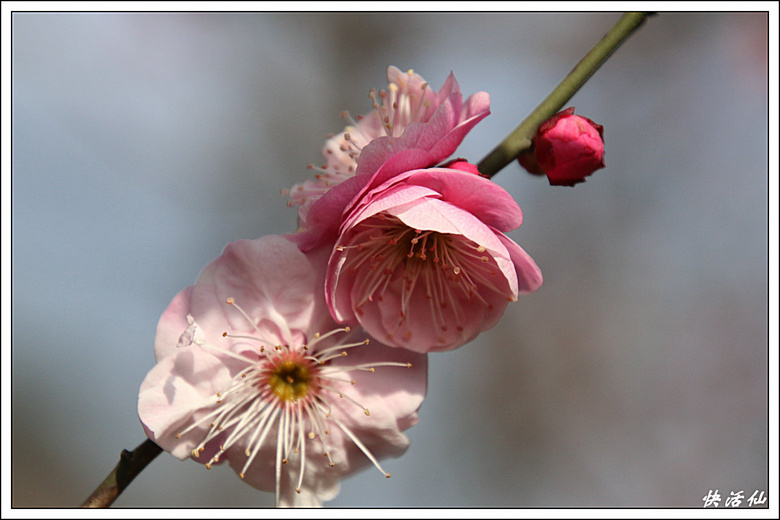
252 370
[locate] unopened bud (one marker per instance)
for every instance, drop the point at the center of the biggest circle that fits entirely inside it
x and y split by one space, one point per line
567 148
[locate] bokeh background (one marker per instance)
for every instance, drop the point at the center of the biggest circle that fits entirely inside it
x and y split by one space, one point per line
635 377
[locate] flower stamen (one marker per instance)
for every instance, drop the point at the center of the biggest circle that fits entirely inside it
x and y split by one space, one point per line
445 269
286 389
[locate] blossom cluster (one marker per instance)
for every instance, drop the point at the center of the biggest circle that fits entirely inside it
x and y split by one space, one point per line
302 358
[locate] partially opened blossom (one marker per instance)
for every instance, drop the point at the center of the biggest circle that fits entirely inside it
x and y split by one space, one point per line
409 115
420 258
252 370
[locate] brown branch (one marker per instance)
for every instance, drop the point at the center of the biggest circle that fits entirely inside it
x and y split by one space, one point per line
130 464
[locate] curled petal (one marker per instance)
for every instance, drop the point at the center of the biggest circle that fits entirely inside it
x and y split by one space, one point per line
173 392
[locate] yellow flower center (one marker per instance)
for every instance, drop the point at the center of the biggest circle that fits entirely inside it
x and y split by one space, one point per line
289 380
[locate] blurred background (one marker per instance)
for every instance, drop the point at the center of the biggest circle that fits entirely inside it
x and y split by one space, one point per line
635 377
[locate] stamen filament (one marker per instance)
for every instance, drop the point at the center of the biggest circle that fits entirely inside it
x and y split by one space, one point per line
279 439
256 401
318 338
302 443
326 351
225 351
348 398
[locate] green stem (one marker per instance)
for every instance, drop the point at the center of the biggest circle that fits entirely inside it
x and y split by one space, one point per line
130 464
520 139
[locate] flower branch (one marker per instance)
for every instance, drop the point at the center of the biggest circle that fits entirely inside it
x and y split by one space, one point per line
385 235
129 466
520 139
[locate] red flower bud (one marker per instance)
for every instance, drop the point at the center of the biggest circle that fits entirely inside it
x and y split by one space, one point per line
567 148
463 165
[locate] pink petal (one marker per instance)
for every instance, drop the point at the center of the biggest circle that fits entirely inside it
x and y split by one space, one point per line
324 216
440 136
436 215
338 293
481 197
529 276
403 150
444 120
172 324
449 142
464 319
392 196
478 104
450 86
173 390
267 277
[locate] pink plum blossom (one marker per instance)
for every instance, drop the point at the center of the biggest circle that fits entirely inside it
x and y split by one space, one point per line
408 116
252 370
567 148
420 258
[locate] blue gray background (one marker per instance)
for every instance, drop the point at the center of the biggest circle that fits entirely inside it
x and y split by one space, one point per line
636 376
